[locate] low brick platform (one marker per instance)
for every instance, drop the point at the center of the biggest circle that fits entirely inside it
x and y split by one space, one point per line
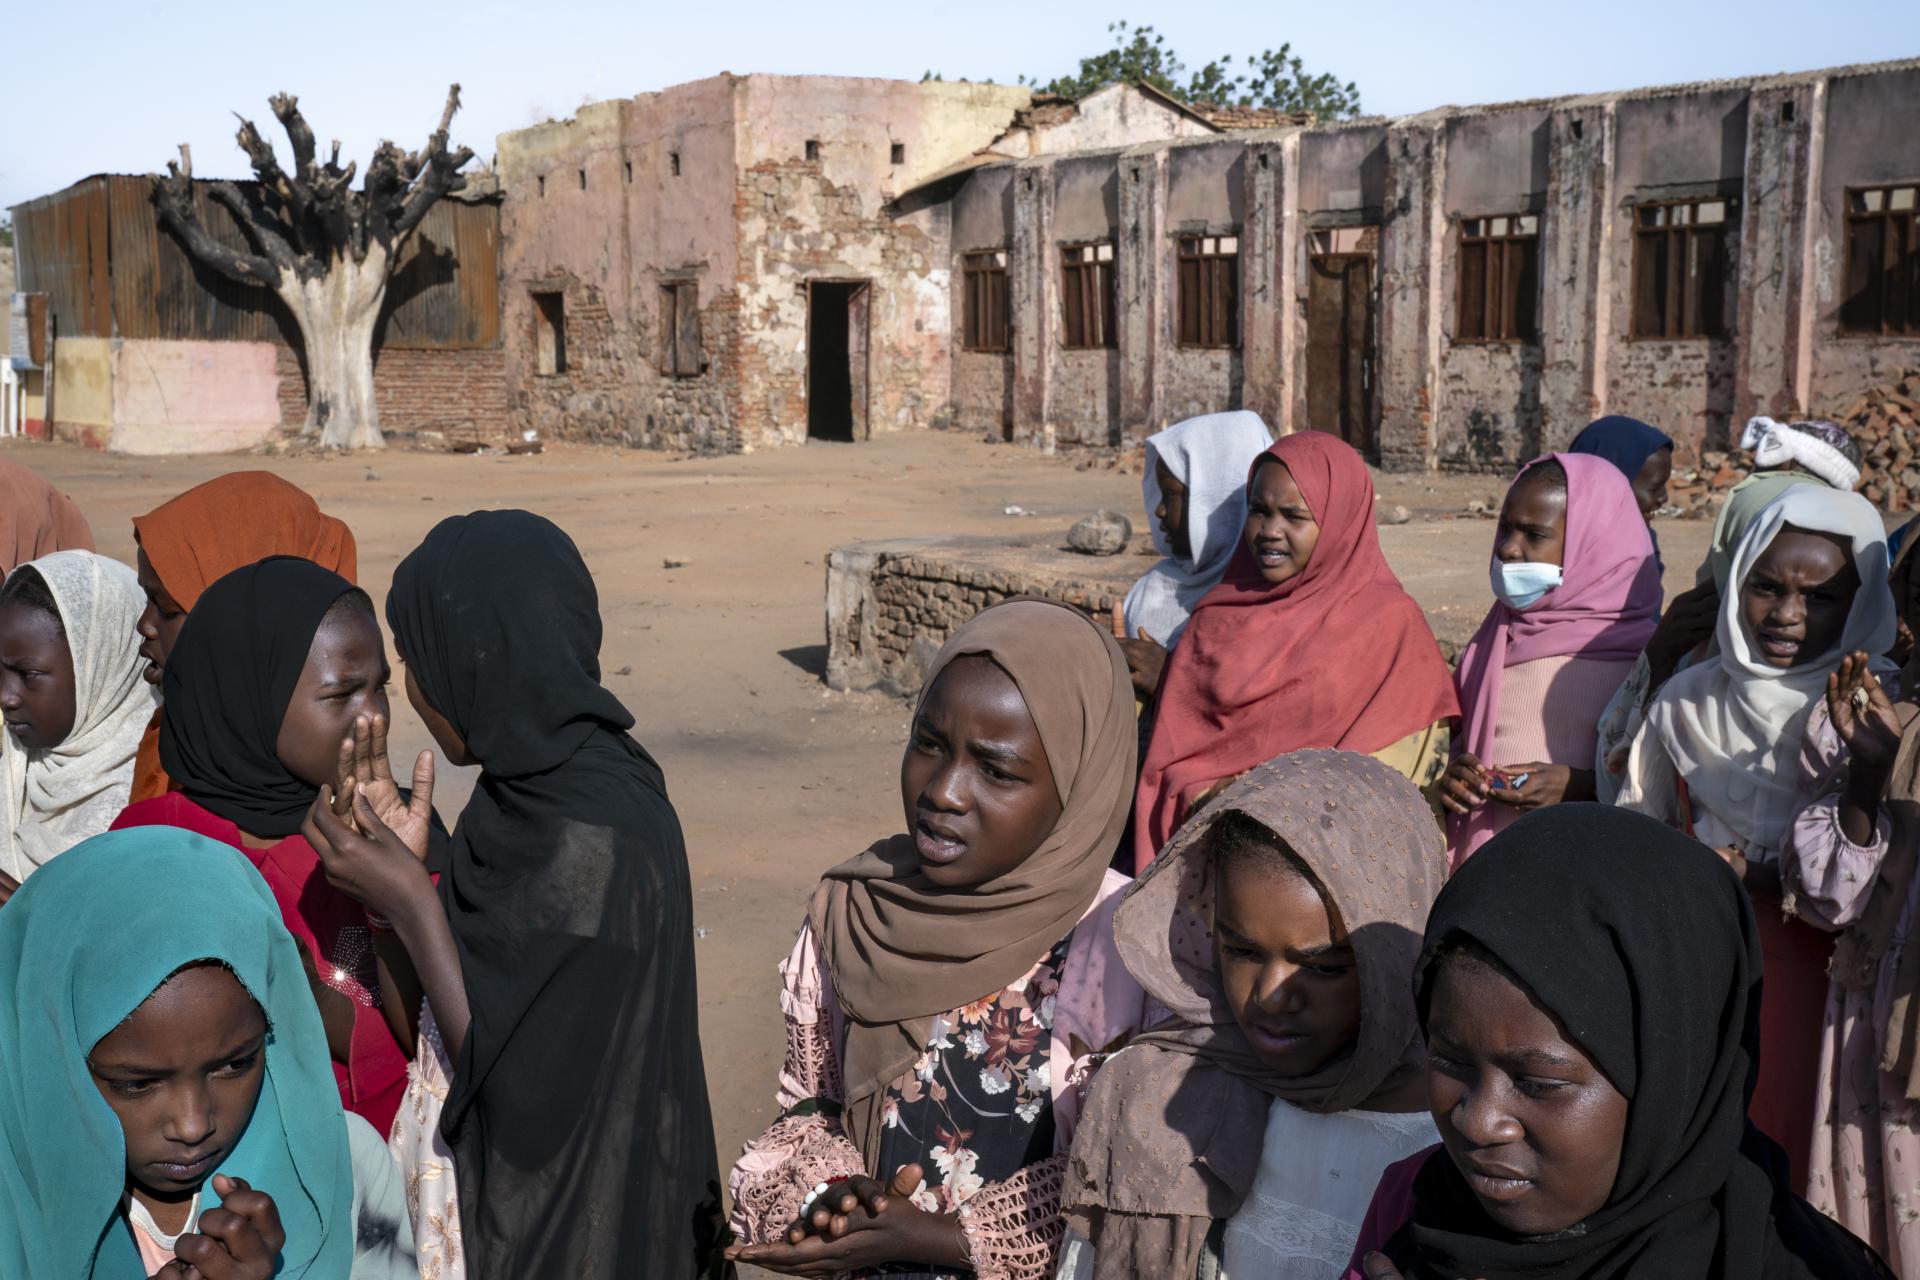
892 604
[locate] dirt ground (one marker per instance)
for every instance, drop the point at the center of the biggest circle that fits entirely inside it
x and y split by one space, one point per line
775 776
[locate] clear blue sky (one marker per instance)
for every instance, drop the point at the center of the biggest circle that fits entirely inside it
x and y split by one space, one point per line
114 86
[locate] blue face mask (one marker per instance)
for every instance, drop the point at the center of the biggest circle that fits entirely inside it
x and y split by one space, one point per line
1520 586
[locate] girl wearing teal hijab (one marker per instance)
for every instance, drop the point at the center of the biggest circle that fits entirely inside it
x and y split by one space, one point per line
164 1071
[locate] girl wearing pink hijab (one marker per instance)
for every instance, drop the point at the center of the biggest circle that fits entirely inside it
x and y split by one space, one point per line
1576 596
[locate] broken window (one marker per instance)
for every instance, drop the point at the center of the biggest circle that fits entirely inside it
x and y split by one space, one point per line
1207 293
813 148
1883 261
987 318
1679 269
1087 295
680 328
1499 279
898 154
549 333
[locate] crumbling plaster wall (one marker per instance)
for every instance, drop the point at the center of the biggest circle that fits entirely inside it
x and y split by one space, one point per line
828 219
981 381
606 242
1870 133
1675 147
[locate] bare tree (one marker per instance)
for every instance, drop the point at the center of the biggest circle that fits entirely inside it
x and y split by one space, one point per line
323 247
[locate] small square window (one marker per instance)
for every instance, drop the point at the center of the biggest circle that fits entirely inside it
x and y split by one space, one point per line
898 153
673 163
1710 213
813 148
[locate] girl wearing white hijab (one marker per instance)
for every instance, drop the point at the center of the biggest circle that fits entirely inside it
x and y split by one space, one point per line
1719 753
1195 488
74 718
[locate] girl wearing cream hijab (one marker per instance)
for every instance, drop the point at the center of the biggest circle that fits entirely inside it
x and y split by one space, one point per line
1719 755
73 702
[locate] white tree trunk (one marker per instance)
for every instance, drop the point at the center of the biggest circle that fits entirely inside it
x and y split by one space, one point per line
336 313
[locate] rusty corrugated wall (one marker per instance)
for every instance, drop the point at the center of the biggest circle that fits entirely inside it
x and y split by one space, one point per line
98 251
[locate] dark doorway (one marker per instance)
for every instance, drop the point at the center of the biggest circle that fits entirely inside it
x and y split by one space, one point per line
837 359
1340 347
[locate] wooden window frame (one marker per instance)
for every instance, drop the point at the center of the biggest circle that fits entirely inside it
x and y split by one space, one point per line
681 354
1693 298
986 322
1207 291
1088 316
549 333
1501 238
1897 290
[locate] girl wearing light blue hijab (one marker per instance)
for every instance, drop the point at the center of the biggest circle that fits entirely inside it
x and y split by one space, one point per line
165 1089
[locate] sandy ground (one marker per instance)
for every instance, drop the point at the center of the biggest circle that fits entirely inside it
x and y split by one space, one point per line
775 776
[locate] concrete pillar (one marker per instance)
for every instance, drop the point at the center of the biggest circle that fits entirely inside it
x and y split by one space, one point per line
1265 249
1030 299
1412 245
1576 294
1141 285
1774 325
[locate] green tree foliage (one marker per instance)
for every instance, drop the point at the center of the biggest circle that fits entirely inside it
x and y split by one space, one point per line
1275 78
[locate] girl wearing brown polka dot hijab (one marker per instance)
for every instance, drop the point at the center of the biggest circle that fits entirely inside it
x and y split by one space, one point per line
1280 928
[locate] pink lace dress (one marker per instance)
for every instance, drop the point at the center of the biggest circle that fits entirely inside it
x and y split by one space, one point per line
1015 1061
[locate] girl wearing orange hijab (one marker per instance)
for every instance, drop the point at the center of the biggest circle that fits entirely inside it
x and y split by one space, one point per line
1308 641
198 538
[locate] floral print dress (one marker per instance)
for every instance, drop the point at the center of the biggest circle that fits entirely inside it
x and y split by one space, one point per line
987 1110
978 1105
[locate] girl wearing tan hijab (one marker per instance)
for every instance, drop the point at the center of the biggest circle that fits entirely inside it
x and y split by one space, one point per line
1280 927
953 985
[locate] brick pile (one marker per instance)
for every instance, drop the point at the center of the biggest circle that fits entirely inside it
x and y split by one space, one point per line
1885 423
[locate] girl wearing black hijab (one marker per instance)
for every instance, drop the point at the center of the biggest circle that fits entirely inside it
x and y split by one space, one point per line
273 666
557 953
1590 990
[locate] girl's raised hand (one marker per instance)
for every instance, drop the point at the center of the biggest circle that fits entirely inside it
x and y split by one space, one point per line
362 856
1862 714
363 760
239 1240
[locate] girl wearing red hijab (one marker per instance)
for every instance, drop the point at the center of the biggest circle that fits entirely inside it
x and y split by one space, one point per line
1308 641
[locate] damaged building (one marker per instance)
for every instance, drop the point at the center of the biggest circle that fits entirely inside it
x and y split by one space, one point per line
753 260
756 260
1459 289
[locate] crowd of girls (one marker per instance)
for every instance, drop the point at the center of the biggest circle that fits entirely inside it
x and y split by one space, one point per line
1232 936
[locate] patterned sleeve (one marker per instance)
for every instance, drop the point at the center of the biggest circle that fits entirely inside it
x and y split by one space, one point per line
1827 877
805 1145
1014 1227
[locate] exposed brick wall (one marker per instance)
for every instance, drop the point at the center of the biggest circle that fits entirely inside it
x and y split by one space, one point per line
418 390
805 227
